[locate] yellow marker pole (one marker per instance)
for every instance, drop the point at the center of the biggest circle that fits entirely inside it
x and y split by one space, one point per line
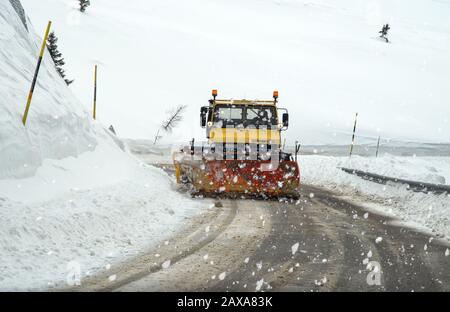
33 84
353 138
178 173
95 93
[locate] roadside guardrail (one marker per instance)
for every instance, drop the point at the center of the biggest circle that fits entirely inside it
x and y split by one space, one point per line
411 185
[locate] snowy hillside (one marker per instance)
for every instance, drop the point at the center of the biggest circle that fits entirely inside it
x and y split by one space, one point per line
58 125
323 56
70 197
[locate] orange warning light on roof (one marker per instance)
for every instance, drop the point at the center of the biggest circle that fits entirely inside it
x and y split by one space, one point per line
214 92
275 94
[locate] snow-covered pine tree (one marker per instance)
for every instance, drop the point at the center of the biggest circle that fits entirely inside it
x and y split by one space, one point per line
84 4
52 45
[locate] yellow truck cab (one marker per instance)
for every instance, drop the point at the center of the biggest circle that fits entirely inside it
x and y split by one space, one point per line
244 121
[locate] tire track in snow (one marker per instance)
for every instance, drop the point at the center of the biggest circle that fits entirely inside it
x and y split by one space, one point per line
190 240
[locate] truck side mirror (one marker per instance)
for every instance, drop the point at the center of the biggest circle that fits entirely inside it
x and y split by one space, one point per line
285 120
203 113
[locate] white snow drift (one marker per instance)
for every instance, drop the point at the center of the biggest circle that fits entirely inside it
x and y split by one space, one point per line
58 126
90 225
423 210
70 197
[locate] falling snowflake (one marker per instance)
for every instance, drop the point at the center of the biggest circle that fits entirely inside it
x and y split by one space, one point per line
425 247
108 266
205 257
321 282
311 195
379 239
366 215
246 260
447 252
369 254
259 284
112 278
222 276
294 248
259 265
207 229
166 264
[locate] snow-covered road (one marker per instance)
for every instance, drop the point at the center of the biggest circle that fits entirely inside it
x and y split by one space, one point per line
421 210
319 243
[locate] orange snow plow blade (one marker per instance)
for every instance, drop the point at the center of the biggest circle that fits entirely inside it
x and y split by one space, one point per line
243 154
246 177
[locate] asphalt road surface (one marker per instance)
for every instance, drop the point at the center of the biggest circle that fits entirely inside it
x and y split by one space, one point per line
318 243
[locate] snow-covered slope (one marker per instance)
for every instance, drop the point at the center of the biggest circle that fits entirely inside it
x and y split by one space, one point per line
71 200
58 125
323 56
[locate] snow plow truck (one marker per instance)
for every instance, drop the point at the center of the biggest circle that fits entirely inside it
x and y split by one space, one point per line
243 154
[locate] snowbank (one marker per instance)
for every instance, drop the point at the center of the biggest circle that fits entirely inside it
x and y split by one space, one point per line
72 201
110 210
430 211
434 170
57 127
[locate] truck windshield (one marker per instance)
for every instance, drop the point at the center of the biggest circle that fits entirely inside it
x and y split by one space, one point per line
244 116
